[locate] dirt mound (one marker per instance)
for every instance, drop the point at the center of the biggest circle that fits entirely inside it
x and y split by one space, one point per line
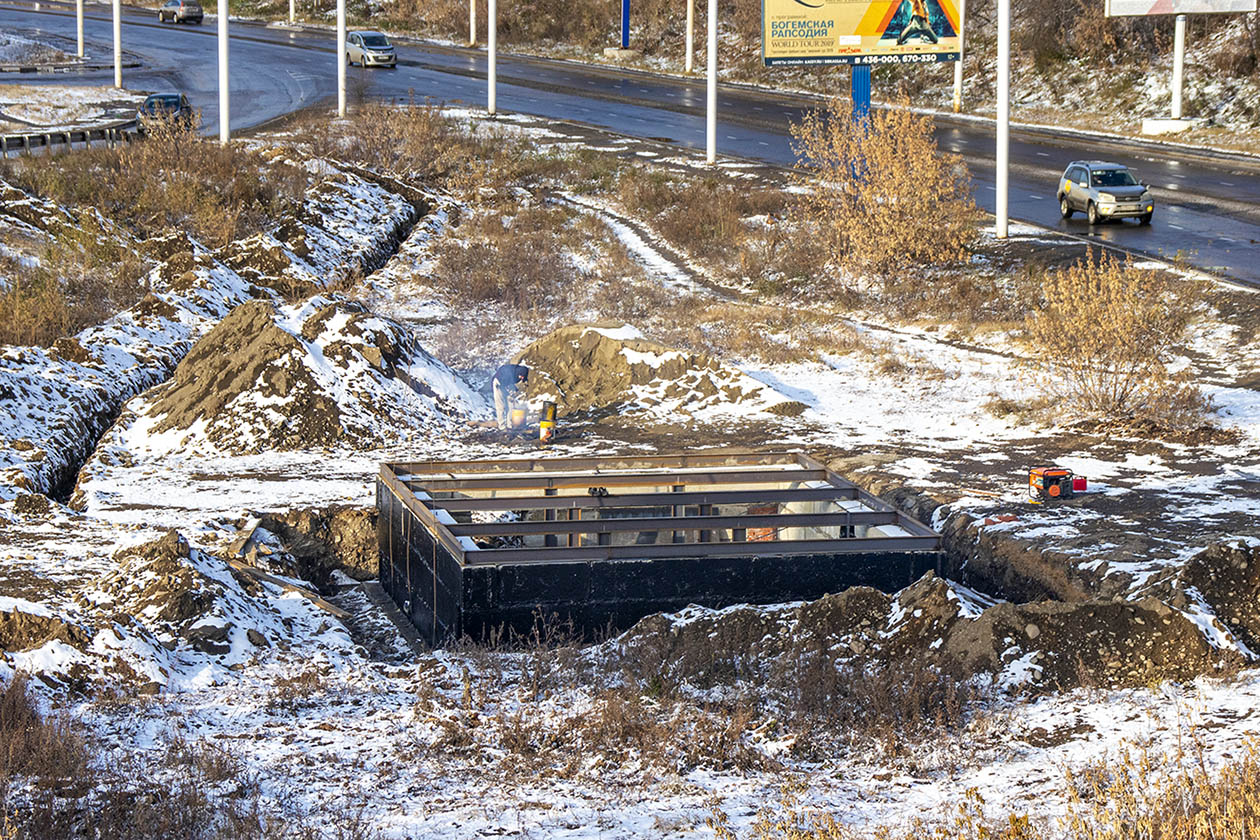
1225 579
609 367
326 538
933 623
21 631
184 597
317 376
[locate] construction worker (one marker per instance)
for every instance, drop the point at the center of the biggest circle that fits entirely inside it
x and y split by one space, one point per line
508 382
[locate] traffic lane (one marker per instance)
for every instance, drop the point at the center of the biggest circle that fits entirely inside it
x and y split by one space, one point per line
620 114
268 80
1210 242
1232 189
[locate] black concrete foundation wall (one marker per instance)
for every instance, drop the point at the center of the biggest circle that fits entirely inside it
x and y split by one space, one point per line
606 595
417 571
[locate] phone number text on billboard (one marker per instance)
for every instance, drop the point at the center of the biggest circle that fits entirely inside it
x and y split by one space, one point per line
902 58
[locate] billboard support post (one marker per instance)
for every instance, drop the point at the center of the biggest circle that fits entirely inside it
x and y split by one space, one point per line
711 106
958 65
861 86
472 23
1003 117
78 24
625 24
1179 64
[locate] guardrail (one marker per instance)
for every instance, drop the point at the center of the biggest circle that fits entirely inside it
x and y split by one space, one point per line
26 143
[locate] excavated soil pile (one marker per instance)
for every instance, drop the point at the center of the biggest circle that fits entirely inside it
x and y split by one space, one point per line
605 368
333 537
21 631
184 597
1046 645
1227 579
329 374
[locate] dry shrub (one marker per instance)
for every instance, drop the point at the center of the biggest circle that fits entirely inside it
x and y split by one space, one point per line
519 262
1138 795
83 276
1104 336
33 746
172 179
417 142
878 192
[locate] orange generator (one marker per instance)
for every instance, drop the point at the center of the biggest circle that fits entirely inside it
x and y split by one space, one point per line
1049 484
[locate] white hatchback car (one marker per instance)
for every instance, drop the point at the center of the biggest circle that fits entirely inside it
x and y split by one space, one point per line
370 48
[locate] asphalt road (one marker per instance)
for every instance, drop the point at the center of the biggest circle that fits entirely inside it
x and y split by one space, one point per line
1207 210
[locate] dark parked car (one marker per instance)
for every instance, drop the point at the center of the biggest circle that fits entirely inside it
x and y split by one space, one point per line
172 107
180 11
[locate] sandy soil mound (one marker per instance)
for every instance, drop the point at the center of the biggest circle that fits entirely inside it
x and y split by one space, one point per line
321 375
612 367
1046 645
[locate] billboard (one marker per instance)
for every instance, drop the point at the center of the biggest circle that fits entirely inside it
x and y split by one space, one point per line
1119 8
859 31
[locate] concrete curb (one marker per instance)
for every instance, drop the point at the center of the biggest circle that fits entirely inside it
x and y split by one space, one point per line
63 68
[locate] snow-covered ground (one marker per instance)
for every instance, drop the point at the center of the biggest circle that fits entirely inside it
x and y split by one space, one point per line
462 743
47 107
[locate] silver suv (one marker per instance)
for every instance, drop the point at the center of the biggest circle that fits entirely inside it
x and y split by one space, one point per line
180 11
1104 191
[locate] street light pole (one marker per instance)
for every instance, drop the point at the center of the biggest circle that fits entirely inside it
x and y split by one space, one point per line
292 11
1179 65
691 34
224 120
1003 116
341 58
78 15
117 43
492 45
711 110
472 23
958 65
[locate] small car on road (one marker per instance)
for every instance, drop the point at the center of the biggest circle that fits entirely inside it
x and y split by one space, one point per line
370 48
1103 190
165 106
180 11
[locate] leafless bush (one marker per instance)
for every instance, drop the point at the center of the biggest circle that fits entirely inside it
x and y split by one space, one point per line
1103 339
879 194
34 746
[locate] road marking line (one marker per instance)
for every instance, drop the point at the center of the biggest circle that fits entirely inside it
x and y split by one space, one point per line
1178 227
1043 154
1226 183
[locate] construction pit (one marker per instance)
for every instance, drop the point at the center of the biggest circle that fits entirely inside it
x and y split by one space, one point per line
480 549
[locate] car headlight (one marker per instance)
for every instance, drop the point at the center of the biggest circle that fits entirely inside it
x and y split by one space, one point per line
1107 197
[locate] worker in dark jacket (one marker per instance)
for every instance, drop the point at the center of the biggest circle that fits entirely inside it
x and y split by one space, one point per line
508 382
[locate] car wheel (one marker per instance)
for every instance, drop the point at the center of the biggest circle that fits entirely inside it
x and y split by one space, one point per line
349 63
1091 213
1065 209
1145 218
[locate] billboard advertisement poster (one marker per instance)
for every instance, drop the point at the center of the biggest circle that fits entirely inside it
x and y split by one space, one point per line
860 31
1122 8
